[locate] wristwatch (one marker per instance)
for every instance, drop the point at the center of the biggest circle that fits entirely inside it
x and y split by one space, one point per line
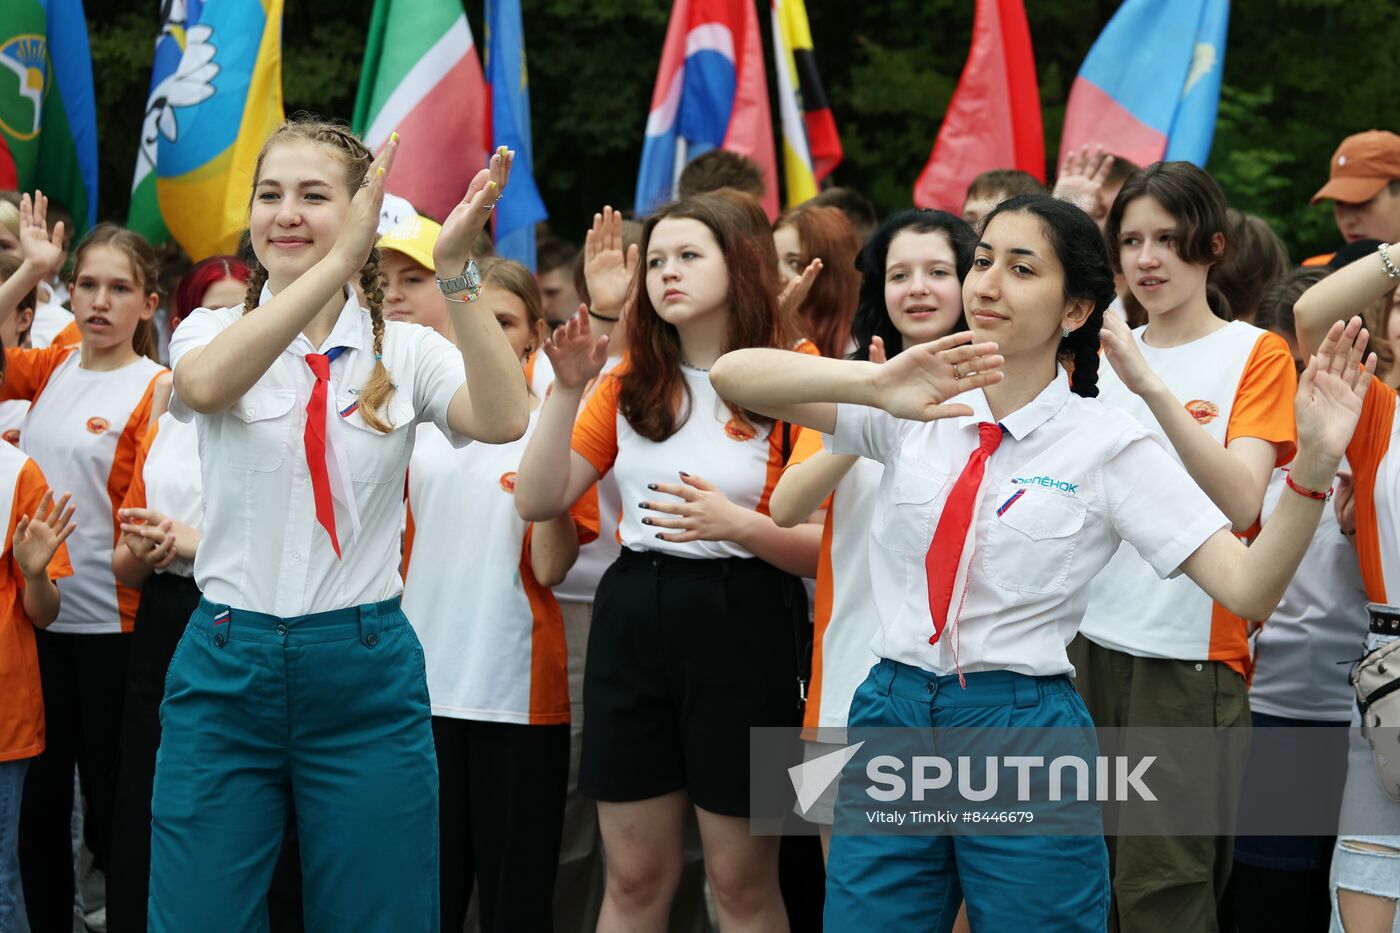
469 281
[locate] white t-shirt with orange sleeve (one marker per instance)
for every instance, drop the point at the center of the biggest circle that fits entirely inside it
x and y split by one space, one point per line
83 430
21 698
1238 381
844 617
493 637
1375 465
743 460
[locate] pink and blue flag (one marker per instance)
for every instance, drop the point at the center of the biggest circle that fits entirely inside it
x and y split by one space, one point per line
711 92
1150 86
521 206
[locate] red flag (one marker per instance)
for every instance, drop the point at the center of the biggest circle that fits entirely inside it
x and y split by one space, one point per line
993 120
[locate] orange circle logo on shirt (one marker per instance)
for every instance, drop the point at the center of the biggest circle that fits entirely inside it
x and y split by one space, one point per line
12 436
508 482
737 429
1204 412
98 425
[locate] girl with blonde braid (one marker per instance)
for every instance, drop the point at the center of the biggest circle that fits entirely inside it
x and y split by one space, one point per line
298 678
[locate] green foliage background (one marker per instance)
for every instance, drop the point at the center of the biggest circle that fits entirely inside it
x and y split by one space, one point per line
1299 75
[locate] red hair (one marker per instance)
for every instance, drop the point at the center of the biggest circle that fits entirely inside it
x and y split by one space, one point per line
653 395
826 234
189 294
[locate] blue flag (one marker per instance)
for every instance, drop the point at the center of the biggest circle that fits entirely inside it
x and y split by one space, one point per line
521 206
1149 88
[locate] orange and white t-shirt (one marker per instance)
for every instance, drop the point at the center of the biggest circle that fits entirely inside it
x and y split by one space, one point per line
742 460
21 699
1238 381
1375 466
83 430
845 620
493 637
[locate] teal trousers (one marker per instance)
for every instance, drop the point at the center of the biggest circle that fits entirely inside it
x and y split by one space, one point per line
327 710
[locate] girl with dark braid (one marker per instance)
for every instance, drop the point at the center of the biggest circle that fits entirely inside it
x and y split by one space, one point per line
1007 487
298 678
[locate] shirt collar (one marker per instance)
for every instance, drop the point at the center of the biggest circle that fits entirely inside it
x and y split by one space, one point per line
1028 417
352 328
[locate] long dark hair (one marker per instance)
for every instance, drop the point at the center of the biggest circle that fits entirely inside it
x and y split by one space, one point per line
653 395
1080 247
872 317
1196 203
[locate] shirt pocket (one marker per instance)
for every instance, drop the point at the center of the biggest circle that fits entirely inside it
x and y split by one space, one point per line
904 522
1030 545
258 428
376 457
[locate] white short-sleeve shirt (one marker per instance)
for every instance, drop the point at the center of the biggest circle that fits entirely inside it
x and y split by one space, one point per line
1069 481
262 548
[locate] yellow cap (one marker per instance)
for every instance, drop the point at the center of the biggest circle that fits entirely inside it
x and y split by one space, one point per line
415 238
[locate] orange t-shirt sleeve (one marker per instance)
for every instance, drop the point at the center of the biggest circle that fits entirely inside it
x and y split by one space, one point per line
595 431
30 486
70 336
1369 444
135 497
584 512
28 371
808 347
1263 405
807 445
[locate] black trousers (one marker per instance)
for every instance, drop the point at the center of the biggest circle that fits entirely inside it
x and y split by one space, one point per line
83 679
167 601
501 813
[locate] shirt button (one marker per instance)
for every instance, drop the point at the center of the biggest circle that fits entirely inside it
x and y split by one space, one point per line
928 688
372 639
218 641
1200 667
281 628
250 412
296 556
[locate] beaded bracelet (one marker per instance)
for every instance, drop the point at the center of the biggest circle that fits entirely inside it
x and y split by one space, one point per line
1390 267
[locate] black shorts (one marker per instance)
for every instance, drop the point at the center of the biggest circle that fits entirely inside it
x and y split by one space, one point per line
684 656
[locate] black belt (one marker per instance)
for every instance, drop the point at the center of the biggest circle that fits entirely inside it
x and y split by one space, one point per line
1385 620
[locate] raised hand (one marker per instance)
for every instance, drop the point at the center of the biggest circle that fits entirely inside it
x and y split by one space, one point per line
877 350
466 221
606 268
361 226
795 292
1081 180
915 384
703 513
576 357
1331 390
1125 356
149 536
36 540
41 246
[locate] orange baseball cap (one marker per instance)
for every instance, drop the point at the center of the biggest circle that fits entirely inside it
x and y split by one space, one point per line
1362 165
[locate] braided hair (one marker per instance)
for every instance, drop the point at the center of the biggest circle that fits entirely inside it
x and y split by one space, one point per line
377 392
1082 253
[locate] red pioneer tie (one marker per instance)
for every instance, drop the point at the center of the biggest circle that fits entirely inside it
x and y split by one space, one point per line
950 536
316 441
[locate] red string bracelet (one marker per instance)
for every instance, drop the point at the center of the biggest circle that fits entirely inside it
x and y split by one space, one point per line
1303 491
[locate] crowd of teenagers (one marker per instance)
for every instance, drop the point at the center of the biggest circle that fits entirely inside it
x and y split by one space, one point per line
368 581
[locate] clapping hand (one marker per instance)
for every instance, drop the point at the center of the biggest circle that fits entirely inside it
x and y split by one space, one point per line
702 514
36 540
1331 391
1081 181
468 218
607 269
41 246
915 384
795 292
576 357
361 226
149 536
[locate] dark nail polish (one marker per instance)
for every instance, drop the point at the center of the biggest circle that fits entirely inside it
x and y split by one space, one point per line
646 521
684 473
658 534
652 486
643 505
